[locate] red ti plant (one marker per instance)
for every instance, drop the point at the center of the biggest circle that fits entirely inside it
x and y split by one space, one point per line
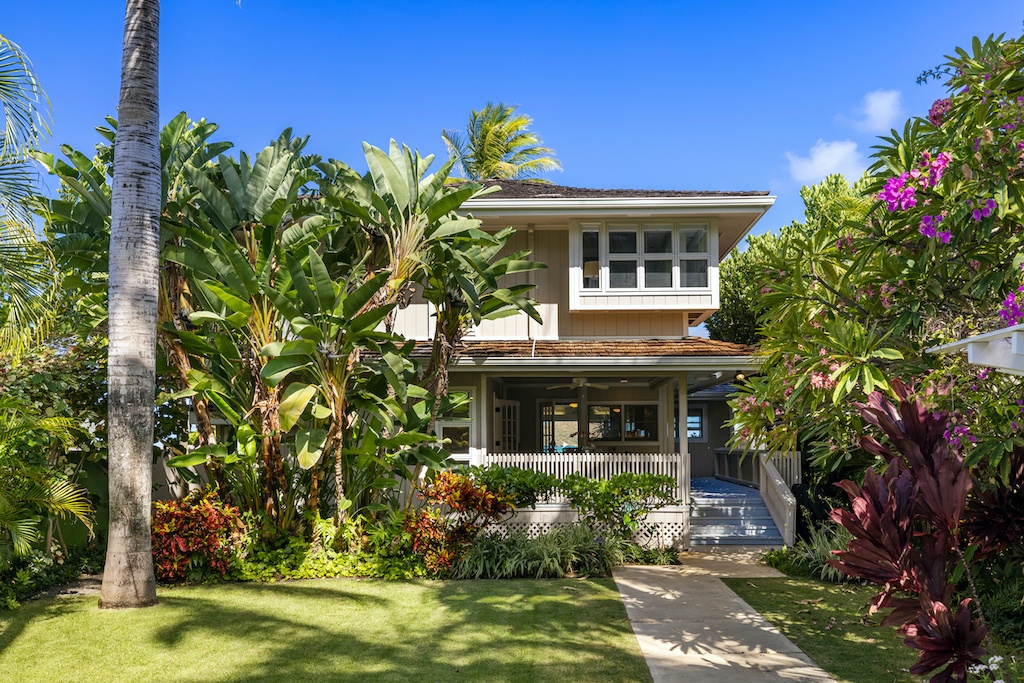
908 535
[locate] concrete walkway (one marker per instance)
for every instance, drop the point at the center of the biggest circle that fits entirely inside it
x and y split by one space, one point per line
691 628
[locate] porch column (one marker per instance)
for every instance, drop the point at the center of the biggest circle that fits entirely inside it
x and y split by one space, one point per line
684 449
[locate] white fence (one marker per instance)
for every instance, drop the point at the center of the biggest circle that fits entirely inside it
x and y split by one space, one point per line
600 465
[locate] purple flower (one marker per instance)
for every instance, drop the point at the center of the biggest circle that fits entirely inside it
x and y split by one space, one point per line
1011 311
929 226
897 194
937 114
985 211
945 236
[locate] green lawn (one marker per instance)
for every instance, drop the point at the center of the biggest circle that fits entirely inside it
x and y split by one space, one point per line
826 621
343 630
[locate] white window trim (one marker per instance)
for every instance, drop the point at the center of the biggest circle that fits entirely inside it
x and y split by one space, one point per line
439 425
578 293
703 409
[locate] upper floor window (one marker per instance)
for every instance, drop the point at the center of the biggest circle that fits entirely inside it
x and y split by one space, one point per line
644 256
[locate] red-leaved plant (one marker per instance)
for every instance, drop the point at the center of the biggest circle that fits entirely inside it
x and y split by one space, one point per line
194 536
456 510
908 534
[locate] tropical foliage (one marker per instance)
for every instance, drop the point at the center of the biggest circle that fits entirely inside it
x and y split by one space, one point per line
910 538
499 145
281 275
26 274
740 299
924 251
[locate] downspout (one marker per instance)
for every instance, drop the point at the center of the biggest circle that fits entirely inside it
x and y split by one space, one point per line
529 320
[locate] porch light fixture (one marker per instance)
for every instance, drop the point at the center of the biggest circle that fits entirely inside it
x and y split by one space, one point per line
623 380
740 377
616 410
574 405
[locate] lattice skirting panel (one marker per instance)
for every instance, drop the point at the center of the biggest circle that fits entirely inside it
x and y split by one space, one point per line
669 527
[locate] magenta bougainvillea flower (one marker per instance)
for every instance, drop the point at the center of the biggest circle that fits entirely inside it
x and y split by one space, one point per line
898 195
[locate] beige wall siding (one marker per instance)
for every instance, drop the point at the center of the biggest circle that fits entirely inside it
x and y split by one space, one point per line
552 294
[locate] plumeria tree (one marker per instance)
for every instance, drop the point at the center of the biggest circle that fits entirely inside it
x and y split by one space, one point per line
925 250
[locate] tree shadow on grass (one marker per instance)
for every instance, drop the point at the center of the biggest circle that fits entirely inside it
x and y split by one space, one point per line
14 623
341 631
420 631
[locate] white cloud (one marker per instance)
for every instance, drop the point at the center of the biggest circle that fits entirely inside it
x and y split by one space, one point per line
881 111
827 157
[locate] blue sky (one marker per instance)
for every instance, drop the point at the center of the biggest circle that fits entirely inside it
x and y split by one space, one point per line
657 95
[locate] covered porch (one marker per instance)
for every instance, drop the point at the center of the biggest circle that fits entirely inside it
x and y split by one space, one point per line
598 408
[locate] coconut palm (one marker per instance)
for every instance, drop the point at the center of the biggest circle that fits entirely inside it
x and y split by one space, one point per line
26 272
128 579
499 145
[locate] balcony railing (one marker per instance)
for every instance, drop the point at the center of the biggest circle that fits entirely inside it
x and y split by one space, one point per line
601 465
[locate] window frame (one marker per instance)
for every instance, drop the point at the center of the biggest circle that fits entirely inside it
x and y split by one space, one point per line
701 408
441 423
623 440
579 286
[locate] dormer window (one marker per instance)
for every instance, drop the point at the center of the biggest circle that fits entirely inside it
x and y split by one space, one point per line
654 264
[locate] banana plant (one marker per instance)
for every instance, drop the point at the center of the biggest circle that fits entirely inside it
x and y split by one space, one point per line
250 214
335 358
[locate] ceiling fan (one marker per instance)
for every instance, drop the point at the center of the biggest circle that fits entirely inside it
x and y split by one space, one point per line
578 382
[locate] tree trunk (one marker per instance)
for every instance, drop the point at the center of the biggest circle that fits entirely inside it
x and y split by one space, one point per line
128 579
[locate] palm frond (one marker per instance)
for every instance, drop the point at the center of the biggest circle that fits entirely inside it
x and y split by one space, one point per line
26 109
28 285
499 144
61 498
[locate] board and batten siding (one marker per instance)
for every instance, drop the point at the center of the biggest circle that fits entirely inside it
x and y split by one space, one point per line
642 316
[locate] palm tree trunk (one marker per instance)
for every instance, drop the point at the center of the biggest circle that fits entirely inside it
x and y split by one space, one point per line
128 579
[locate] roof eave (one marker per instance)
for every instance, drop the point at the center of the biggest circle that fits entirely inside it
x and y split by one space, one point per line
569 205
610 363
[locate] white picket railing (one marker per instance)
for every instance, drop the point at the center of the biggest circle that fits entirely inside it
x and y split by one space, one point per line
789 466
600 465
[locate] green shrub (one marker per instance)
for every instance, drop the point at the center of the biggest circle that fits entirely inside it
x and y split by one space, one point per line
620 503
814 552
525 488
810 556
634 553
357 549
31 574
785 560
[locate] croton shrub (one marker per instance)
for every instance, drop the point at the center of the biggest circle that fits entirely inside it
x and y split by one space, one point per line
195 537
456 508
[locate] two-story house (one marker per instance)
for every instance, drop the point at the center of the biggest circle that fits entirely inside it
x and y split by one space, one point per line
611 380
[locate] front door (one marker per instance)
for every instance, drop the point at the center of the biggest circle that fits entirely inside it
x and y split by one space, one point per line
505 426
